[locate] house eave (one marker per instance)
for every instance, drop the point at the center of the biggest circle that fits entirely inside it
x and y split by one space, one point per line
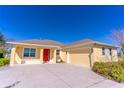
64 47
95 42
28 44
110 45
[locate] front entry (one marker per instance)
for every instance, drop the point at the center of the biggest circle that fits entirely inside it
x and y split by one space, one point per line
46 55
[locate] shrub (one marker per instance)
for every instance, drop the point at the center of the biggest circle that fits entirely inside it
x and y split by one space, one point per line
1 63
4 61
122 63
101 68
111 70
117 73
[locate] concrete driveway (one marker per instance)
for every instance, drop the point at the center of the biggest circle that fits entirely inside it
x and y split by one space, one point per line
52 76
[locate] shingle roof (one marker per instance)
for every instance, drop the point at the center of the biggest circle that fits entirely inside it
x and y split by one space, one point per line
42 42
80 42
59 44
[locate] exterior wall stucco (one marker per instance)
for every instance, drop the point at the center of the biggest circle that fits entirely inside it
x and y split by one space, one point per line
107 57
78 55
17 55
63 55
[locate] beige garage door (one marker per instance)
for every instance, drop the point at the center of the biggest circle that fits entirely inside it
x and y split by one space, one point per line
79 58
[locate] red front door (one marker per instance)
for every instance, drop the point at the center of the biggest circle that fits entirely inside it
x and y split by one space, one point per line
46 55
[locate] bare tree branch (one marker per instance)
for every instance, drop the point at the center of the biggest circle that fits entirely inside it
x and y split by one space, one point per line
118 36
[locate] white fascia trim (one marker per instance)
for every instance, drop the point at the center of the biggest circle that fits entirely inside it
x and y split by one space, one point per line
106 44
18 43
95 42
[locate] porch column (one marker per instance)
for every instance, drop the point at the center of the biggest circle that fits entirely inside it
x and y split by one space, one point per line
41 55
68 57
12 57
54 56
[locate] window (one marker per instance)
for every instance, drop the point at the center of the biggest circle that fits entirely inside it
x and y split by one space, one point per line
103 51
26 52
110 50
29 52
66 52
57 52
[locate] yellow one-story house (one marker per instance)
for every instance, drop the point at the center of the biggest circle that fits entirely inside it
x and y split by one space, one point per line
83 52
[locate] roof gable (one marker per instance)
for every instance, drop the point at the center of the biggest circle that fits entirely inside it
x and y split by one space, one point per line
80 42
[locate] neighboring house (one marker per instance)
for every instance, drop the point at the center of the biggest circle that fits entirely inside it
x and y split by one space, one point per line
83 52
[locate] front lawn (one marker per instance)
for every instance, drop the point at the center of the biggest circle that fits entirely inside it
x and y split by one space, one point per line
110 70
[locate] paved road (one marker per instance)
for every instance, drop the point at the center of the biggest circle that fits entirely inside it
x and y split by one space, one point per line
52 76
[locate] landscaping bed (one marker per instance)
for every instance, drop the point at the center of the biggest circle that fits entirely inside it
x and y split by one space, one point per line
4 61
110 70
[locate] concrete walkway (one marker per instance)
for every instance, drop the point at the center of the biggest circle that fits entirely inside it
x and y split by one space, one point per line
53 76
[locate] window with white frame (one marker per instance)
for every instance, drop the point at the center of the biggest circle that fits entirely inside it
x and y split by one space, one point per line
29 52
110 51
57 52
103 51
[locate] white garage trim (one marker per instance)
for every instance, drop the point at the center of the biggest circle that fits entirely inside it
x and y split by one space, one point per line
68 57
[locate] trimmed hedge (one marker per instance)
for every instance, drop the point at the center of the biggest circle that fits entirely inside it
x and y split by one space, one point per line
4 61
110 70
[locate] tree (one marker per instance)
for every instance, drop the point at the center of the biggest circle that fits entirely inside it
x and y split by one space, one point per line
2 40
3 50
118 36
